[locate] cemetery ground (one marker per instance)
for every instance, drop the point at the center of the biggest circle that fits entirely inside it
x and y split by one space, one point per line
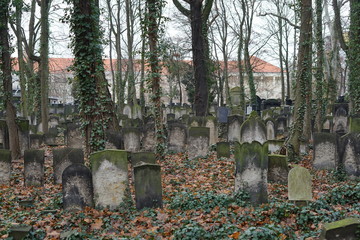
199 203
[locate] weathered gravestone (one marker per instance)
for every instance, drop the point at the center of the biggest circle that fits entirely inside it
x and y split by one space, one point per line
127 111
131 137
270 129
50 137
77 188
253 129
275 146
223 149
325 154
145 157
34 167
327 125
4 135
149 137
281 123
64 157
340 118
177 135
299 185
113 140
110 177
349 151
73 135
234 125
5 167
148 190
278 169
24 131
198 142
19 232
345 229
53 121
235 95
36 140
212 125
251 170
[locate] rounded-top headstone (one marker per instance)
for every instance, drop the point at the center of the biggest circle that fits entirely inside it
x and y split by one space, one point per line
299 184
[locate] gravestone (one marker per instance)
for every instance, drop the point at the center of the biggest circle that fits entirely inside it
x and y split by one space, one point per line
73 135
345 229
136 112
278 169
127 111
36 140
64 157
223 149
34 167
5 167
4 135
113 140
149 137
349 151
212 125
235 95
53 121
19 232
177 135
234 125
281 123
222 114
170 117
146 157
24 131
131 137
327 124
275 145
270 129
325 154
148 189
340 119
253 129
251 170
110 177
267 113
77 188
198 142
299 185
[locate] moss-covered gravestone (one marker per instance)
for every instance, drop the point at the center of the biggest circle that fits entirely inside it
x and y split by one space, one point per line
278 169
77 188
275 145
19 232
325 155
234 125
349 148
110 177
5 167
64 157
148 190
73 135
34 167
253 129
145 157
24 131
223 149
270 129
299 185
198 142
346 229
36 140
251 170
177 136
131 137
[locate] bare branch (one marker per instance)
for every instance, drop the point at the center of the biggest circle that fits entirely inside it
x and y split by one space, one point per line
278 16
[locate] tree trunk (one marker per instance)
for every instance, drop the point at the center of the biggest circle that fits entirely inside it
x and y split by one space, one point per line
7 80
303 74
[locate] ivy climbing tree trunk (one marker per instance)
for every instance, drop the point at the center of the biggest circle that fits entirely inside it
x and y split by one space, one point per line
44 64
96 107
7 80
303 74
152 21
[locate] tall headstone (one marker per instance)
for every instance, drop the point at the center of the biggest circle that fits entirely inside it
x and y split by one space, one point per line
198 142
234 125
77 188
299 185
64 157
148 189
110 177
24 132
211 123
345 229
251 170
149 137
73 135
253 129
5 167
131 137
235 95
177 135
278 169
34 167
340 118
325 155
349 151
270 129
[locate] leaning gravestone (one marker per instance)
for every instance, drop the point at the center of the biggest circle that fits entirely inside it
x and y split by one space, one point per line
131 137
223 149
278 169
110 177
146 157
64 157
34 167
345 229
325 151
299 185
176 136
148 190
234 125
198 142
77 188
5 166
251 170
253 129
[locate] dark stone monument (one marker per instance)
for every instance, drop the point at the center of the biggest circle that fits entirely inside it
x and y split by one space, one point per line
278 169
77 188
148 189
34 167
64 157
222 114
